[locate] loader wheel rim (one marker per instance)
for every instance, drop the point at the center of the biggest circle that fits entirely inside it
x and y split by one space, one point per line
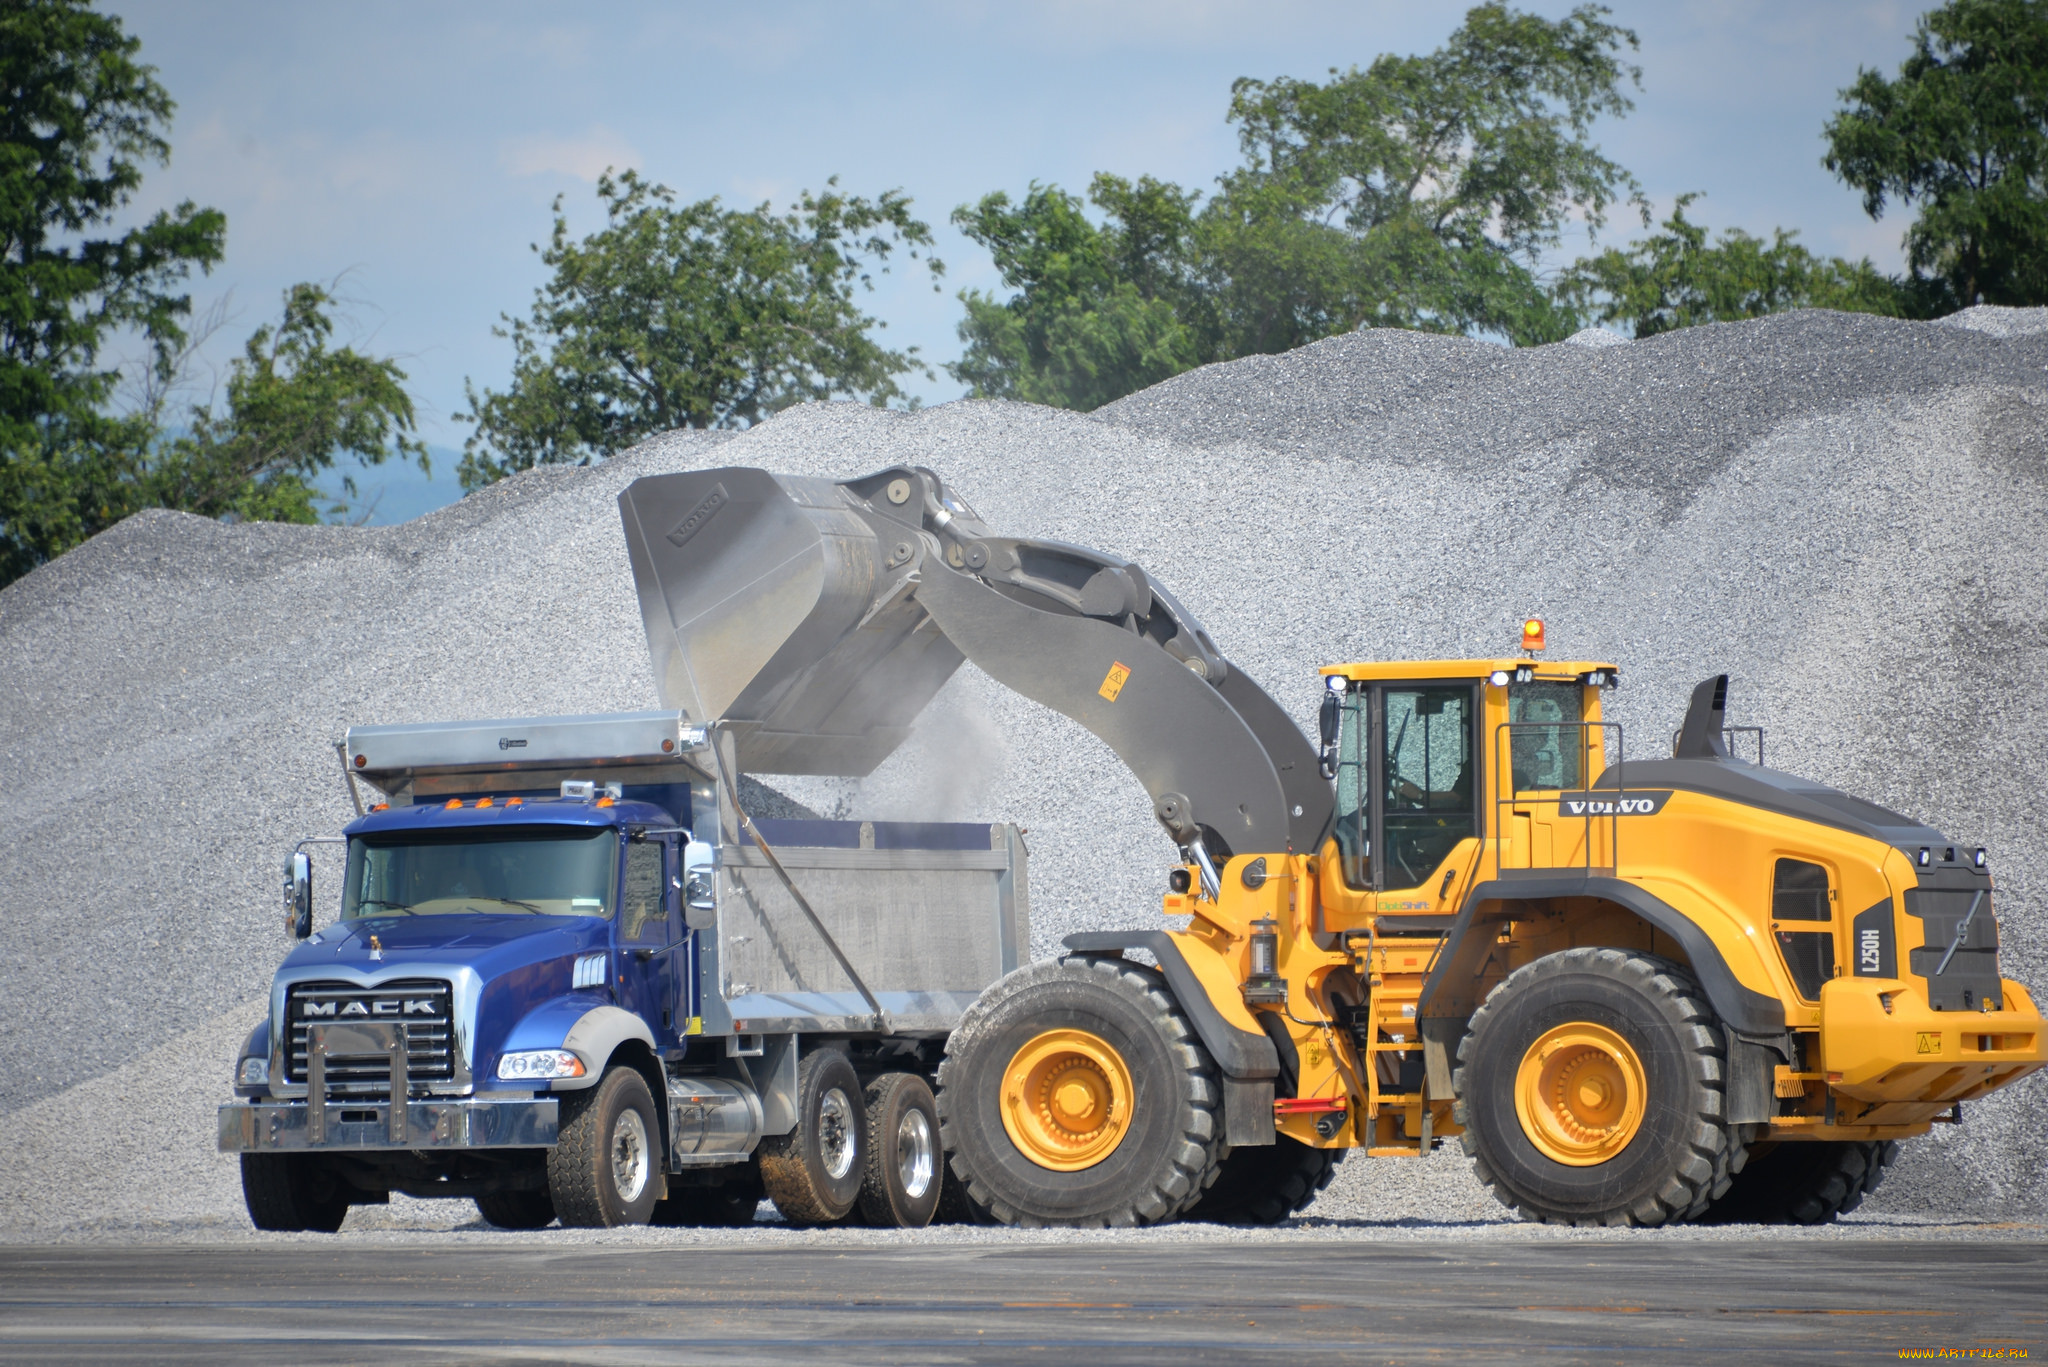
1580 1093
1067 1100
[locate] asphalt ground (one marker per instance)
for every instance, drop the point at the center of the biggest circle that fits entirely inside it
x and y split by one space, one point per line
1594 1302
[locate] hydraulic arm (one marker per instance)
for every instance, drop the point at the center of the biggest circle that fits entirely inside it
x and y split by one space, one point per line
814 619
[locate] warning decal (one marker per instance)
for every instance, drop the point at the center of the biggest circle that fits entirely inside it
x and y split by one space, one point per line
1114 681
1929 1043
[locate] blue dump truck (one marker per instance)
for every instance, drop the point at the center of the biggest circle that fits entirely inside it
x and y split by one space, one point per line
570 979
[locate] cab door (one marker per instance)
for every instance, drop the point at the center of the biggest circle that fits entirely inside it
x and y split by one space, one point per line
653 944
1425 794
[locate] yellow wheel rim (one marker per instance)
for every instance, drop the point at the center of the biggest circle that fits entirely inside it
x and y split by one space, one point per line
1580 1093
1067 1100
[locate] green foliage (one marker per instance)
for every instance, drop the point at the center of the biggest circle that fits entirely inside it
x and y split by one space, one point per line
1676 279
1099 309
1417 193
1963 134
1437 180
79 117
692 316
293 406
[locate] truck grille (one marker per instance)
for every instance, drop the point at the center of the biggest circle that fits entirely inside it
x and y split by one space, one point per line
422 1006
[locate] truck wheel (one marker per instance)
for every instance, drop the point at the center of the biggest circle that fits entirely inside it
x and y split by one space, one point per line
728 1205
813 1173
905 1167
1589 1086
517 1209
1803 1182
605 1168
289 1192
1266 1184
1075 1093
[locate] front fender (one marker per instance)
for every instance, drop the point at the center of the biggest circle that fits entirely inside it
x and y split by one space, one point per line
591 1031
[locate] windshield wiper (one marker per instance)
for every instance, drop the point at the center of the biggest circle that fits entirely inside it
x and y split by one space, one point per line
381 902
510 902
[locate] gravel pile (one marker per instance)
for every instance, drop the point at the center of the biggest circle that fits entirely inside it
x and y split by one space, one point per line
1846 514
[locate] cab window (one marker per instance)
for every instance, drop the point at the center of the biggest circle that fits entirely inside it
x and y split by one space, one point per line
643 913
1354 810
1545 739
1427 783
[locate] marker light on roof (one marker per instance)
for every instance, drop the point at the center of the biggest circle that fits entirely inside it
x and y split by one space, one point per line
483 802
1532 634
451 804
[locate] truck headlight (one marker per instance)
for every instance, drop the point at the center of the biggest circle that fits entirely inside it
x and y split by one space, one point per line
529 1065
254 1072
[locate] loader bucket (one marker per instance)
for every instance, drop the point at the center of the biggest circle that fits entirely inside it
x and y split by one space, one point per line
781 607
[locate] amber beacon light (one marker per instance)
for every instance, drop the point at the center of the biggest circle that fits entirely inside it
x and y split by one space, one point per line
1532 634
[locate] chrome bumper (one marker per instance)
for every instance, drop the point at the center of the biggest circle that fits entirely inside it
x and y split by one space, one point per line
284 1126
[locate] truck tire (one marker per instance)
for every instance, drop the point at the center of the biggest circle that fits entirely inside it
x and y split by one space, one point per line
292 1192
605 1168
1074 1093
728 1205
905 1167
1803 1182
517 1209
1590 1089
813 1174
1266 1184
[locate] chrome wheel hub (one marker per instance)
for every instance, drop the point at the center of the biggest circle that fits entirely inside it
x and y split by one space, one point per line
916 1155
838 1124
629 1156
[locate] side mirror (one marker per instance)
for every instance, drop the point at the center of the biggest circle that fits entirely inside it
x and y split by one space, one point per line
1326 724
298 894
700 911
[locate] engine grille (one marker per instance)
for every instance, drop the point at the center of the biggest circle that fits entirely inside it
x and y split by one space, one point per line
1973 976
423 1006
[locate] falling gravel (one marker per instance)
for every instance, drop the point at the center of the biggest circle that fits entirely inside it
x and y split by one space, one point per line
1846 514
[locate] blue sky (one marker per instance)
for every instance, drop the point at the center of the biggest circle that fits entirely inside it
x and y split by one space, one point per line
417 148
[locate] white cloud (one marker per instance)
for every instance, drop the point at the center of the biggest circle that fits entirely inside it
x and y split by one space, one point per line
585 156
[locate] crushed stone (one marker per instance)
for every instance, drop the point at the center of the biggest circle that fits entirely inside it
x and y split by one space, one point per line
1846 514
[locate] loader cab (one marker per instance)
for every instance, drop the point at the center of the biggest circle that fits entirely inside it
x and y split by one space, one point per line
1440 769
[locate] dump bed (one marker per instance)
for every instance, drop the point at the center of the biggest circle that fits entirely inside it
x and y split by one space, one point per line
927 913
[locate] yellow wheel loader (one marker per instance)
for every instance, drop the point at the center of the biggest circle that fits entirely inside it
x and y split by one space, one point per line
1637 990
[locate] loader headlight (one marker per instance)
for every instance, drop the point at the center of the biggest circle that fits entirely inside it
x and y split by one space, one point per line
531 1065
254 1072
1499 678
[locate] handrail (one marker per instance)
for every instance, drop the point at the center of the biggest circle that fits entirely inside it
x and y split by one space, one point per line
1509 796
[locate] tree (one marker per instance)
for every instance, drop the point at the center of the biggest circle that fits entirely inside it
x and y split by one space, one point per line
293 406
1099 313
1417 193
1676 279
692 316
1963 134
79 117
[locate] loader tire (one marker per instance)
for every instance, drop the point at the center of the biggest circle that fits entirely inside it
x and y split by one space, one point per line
605 1168
292 1192
1589 1086
1075 1094
1266 1184
1803 1183
813 1173
905 1167
517 1209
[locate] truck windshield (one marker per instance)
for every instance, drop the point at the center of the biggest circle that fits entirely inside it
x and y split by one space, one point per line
531 872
